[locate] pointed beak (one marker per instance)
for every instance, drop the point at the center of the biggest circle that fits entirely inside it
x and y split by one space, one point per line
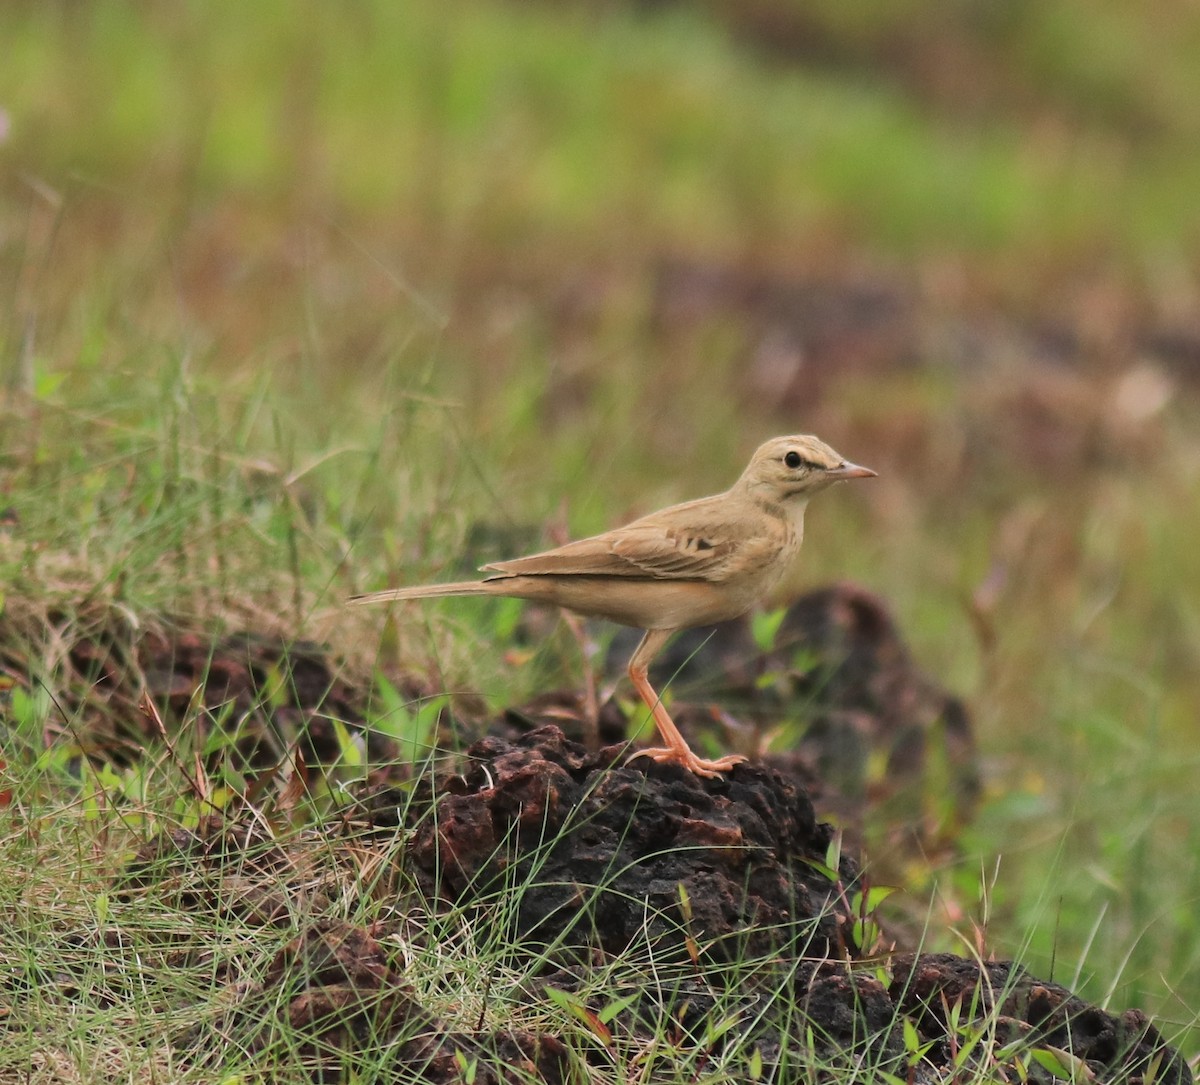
849 470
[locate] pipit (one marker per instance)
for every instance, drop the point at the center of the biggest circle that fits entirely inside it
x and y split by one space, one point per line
701 562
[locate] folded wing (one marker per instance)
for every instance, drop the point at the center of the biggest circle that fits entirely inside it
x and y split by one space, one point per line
654 548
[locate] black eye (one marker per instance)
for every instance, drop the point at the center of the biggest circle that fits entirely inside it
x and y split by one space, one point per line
793 460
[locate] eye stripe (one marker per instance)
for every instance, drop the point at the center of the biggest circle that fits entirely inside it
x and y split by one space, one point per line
794 461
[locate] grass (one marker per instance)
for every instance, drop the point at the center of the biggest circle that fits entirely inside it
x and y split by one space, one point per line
159 958
293 305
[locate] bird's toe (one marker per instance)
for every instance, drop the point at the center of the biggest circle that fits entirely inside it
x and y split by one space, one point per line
700 766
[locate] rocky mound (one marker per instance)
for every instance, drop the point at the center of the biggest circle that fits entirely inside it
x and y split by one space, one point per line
712 902
610 851
715 900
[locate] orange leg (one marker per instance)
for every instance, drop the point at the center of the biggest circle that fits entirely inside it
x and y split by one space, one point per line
676 749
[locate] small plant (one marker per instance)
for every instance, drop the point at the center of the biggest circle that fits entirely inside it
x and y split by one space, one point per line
414 733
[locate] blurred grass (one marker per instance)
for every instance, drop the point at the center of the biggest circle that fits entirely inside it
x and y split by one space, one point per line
294 294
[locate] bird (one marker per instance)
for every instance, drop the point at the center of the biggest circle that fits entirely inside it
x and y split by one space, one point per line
704 561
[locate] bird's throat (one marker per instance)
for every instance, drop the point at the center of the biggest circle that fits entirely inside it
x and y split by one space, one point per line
790 513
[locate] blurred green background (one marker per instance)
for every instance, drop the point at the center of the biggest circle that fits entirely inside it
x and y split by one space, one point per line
295 293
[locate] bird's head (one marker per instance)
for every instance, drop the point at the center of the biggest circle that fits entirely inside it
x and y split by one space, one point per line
798 466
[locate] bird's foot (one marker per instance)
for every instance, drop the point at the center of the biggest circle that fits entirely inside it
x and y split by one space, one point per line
701 766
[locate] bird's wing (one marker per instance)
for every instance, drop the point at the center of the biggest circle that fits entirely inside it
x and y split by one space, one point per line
585 557
686 542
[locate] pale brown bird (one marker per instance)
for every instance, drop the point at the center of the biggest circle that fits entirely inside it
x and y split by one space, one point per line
701 562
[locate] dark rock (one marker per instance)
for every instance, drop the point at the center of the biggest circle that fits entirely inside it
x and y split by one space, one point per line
929 988
342 996
626 851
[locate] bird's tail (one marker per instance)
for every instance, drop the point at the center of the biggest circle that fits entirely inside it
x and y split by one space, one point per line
420 591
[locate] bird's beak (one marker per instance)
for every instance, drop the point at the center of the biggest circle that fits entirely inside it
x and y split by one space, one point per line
849 470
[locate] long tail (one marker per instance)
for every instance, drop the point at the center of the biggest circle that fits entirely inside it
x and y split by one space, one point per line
420 591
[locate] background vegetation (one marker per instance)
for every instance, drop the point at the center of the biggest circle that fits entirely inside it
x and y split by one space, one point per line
297 295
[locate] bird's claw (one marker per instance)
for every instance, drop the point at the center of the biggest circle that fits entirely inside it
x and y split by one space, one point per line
701 766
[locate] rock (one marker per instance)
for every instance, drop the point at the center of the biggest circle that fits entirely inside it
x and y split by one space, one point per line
928 987
624 852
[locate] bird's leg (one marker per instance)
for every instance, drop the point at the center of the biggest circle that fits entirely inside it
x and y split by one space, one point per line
676 748
591 703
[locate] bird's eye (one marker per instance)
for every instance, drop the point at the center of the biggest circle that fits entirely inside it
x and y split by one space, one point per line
793 460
